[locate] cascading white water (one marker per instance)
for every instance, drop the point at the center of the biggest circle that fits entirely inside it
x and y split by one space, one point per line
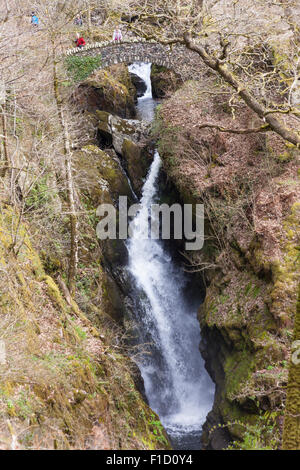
177 386
143 71
146 104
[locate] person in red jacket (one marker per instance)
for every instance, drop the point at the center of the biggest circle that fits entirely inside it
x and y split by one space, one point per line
80 42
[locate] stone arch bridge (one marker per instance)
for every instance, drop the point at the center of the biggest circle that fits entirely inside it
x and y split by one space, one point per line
178 58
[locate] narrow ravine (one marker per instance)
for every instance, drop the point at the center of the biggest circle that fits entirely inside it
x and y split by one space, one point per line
177 385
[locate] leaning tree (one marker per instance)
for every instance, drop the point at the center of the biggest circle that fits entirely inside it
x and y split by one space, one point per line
251 45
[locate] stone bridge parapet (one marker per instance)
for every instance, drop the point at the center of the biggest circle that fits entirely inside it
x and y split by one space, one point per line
177 57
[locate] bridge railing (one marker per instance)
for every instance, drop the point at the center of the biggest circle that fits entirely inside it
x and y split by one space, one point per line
101 45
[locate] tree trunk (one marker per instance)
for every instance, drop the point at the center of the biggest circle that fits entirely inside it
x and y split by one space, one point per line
5 143
89 16
73 257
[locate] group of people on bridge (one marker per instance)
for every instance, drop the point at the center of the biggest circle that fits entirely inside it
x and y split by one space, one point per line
117 37
78 21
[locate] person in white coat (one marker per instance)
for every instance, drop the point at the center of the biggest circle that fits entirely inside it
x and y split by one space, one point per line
117 36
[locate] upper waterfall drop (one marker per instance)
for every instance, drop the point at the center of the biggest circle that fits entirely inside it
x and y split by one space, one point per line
143 70
146 104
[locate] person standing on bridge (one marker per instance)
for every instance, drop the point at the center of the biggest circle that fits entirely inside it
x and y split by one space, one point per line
117 36
78 20
80 42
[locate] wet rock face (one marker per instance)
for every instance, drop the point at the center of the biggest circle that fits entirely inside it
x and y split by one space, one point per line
113 299
217 439
130 139
212 350
137 160
139 84
164 81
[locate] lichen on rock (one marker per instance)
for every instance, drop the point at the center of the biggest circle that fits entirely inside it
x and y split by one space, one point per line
132 141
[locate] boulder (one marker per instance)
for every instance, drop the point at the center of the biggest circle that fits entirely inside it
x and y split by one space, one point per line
131 140
110 90
105 179
137 161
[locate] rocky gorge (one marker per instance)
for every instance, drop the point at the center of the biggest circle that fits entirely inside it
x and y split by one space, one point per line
67 381
150 346
248 261
132 142
135 343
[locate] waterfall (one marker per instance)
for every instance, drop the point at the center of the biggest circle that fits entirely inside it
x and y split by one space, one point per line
177 386
143 71
146 104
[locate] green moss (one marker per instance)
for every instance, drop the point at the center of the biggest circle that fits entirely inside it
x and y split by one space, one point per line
238 367
285 272
291 433
285 156
51 264
61 380
54 292
79 68
262 435
104 177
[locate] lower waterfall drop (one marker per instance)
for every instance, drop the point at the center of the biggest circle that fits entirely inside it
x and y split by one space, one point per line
177 385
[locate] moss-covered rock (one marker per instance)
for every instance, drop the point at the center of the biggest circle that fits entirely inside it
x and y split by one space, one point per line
109 90
138 161
291 434
63 384
105 180
132 141
139 84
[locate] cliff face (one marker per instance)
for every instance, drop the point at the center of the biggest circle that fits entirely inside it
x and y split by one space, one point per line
65 384
164 81
291 432
250 187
